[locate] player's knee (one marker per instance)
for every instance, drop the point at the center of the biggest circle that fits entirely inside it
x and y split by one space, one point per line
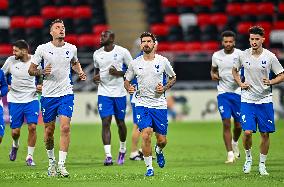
248 133
49 131
65 128
15 133
146 137
32 128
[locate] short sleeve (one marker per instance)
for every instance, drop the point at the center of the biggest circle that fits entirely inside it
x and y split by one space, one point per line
168 68
127 57
276 67
96 65
75 57
129 75
37 57
214 60
6 66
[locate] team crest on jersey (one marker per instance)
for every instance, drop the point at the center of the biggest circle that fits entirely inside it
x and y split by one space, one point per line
157 67
115 56
67 54
263 63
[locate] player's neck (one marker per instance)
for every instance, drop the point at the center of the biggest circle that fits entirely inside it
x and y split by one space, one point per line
58 42
229 51
148 57
26 58
257 52
109 47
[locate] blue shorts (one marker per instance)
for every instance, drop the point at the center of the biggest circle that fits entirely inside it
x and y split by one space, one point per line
133 111
154 118
55 106
229 104
20 111
109 106
2 124
261 115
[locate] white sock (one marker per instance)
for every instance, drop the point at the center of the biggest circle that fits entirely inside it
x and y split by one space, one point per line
62 157
133 154
31 151
108 150
158 149
50 154
248 154
234 143
230 154
16 143
262 158
122 148
148 162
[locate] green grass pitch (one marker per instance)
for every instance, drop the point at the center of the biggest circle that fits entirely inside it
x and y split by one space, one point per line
195 156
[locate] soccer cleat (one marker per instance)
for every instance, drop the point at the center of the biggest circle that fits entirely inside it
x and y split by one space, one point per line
236 150
13 153
108 161
120 159
160 158
51 171
29 161
61 171
262 169
247 166
149 173
136 157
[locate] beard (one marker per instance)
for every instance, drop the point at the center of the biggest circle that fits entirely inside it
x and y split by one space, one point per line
147 49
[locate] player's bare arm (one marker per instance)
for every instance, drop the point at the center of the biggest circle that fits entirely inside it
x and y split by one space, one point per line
130 88
161 89
214 73
34 71
237 78
113 71
279 78
76 66
97 78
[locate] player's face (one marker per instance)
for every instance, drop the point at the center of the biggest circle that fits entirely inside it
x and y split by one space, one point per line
147 44
105 39
228 43
57 31
255 41
18 53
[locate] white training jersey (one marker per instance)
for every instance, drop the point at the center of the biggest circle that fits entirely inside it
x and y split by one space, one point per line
23 86
225 62
149 74
255 69
59 82
120 58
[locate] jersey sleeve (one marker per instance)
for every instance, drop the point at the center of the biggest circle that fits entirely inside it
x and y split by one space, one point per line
95 61
276 67
37 57
6 66
127 57
214 60
75 57
168 68
238 62
129 75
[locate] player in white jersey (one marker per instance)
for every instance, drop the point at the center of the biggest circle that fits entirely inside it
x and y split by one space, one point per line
110 62
150 101
256 97
229 99
3 92
56 58
22 98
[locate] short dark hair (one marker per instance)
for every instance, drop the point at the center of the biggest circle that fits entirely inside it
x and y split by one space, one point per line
228 33
256 30
21 44
148 34
56 21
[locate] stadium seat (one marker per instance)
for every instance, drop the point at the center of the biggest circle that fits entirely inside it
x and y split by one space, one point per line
169 3
186 3
159 29
177 46
163 46
98 29
278 25
65 12
4 5
5 49
193 46
234 9
88 40
219 19
175 34
206 3
249 9
34 22
171 19
49 12
281 8
210 46
266 8
82 12
203 19
267 26
18 22
243 27
71 38
186 20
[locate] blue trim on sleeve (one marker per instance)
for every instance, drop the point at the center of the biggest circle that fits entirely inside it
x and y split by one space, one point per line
3 83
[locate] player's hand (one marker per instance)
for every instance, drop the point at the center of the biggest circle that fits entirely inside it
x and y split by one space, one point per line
82 76
47 70
215 77
9 88
97 79
266 81
112 71
131 89
160 88
245 86
39 88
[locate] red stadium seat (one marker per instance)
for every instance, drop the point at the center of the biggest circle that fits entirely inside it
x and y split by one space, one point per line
265 8
4 4
171 19
66 12
278 25
206 3
163 46
71 38
169 3
243 27
5 49
219 19
186 3
250 9
210 46
177 46
203 19
281 8
98 29
49 12
18 22
193 46
267 26
88 40
82 12
234 9
34 22
160 29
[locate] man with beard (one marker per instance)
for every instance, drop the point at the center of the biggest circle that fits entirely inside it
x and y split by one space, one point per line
256 97
110 62
151 70
22 98
229 99
56 58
